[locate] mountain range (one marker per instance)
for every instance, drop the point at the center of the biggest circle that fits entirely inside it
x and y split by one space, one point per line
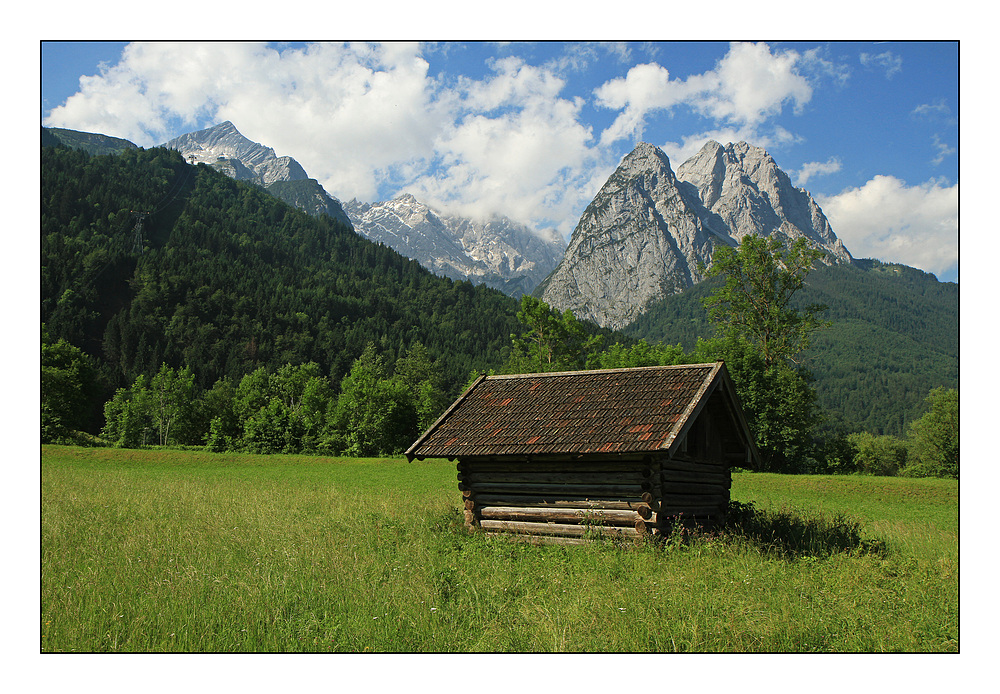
224 148
650 233
634 264
497 252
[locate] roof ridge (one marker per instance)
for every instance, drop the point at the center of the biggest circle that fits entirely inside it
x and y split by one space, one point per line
543 374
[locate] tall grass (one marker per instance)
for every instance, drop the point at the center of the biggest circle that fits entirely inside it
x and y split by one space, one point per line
169 551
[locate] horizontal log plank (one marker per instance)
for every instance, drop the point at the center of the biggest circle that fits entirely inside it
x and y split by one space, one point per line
556 477
556 501
567 529
693 499
698 477
559 515
556 463
692 488
629 491
692 466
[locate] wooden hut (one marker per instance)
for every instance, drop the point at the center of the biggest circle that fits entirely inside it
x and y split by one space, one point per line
560 457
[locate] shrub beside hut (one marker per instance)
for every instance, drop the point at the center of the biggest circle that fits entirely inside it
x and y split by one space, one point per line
559 457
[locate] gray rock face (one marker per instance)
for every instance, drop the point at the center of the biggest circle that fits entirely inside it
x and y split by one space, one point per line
224 148
499 252
744 187
644 236
648 232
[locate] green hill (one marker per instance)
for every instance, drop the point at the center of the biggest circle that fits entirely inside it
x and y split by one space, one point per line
147 259
894 337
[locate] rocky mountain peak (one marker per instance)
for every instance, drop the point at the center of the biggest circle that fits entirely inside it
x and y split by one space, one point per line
224 148
641 238
743 186
222 142
649 232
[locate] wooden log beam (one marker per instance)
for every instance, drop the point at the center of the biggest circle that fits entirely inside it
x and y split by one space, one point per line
697 477
693 499
635 477
560 515
555 463
556 501
692 488
566 529
692 466
630 491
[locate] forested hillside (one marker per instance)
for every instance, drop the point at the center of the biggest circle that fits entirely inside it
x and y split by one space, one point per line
92 143
147 260
894 337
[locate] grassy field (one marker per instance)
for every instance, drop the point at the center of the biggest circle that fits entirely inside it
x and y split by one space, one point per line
166 551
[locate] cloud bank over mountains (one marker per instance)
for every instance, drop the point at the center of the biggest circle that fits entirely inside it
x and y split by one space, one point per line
516 137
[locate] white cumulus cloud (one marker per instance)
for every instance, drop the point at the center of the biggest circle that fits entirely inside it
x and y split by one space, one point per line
361 118
814 168
747 86
891 221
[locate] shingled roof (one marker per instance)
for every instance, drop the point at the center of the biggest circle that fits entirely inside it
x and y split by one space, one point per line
635 410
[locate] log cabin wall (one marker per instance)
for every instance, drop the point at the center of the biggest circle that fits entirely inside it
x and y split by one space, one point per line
569 501
566 500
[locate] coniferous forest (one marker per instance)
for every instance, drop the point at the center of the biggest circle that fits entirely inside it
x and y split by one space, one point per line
180 306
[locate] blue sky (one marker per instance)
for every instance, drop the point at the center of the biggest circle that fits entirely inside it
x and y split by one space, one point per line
532 130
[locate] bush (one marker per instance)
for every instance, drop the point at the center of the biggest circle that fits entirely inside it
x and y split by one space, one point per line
877 455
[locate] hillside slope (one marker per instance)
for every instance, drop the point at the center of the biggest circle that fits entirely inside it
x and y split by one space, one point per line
92 143
147 259
894 336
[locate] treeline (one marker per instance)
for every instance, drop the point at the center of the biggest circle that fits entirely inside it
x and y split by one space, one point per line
295 409
147 261
377 410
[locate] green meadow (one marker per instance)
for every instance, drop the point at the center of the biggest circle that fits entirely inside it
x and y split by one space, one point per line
185 551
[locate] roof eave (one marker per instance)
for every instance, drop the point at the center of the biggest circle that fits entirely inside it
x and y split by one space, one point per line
411 451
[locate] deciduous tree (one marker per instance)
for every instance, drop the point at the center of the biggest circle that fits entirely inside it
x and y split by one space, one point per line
551 341
933 438
760 335
754 304
374 413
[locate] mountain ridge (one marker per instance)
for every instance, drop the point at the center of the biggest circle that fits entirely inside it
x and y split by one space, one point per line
224 148
498 252
650 233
